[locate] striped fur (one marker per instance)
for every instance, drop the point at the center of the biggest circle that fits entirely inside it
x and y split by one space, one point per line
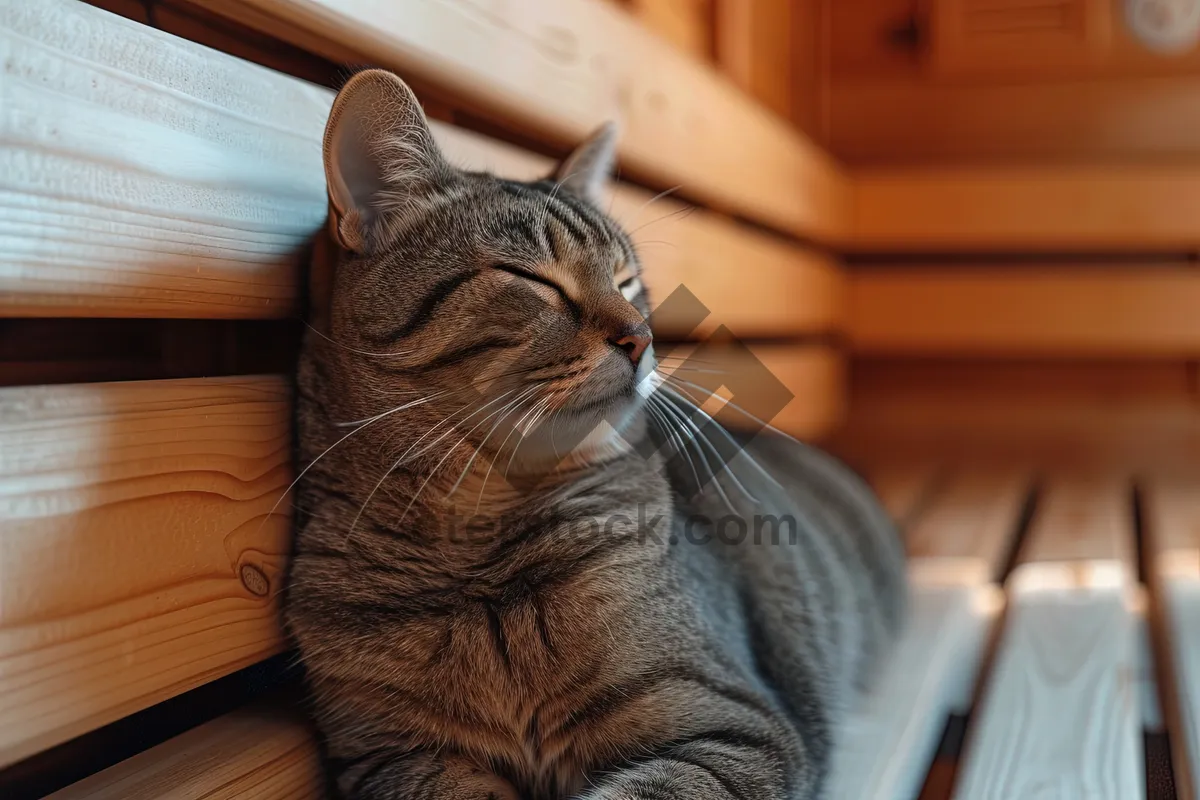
497 591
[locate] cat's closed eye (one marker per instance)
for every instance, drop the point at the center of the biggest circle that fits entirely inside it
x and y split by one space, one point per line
533 277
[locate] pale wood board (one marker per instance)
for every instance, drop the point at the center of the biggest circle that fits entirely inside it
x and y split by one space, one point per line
1145 310
1060 712
560 68
965 531
141 175
890 739
263 753
1031 208
141 547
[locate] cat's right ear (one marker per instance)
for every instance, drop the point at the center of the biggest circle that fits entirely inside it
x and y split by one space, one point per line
380 156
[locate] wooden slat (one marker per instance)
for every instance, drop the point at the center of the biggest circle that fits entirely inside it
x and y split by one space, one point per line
1172 509
137 557
560 68
1143 310
894 118
263 753
686 24
965 532
755 43
892 737
141 175
1060 713
1032 209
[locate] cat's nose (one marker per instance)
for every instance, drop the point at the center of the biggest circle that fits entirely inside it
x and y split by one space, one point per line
633 341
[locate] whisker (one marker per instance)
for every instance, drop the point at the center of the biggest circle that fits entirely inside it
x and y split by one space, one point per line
528 391
404 455
355 349
499 453
678 393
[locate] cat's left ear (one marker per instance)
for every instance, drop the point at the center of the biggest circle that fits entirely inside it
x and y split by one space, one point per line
585 172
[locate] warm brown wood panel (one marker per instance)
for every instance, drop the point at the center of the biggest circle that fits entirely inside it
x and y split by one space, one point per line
559 68
139 555
686 24
898 119
1135 415
1143 310
141 175
263 753
756 41
1029 209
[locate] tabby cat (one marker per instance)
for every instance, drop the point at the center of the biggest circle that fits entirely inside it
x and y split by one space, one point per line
508 580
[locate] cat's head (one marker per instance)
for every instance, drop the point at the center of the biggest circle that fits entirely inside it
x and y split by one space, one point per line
520 300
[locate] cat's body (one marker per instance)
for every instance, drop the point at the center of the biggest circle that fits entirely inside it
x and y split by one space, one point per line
586 627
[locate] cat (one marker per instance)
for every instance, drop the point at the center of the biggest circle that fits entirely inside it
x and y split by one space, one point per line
508 579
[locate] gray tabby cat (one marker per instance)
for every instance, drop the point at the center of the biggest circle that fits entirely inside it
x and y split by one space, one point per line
499 589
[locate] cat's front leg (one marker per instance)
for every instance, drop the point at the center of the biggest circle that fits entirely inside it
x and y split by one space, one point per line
711 769
418 776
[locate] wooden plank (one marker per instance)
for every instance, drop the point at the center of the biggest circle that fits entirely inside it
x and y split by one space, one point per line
891 738
686 24
900 117
1135 310
963 535
154 499
1172 514
560 68
755 42
1135 415
1031 209
262 753
1060 712
141 175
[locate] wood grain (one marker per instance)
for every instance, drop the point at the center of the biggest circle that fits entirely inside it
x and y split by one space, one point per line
1028 208
140 548
264 753
559 68
964 532
686 24
890 740
1060 714
141 175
